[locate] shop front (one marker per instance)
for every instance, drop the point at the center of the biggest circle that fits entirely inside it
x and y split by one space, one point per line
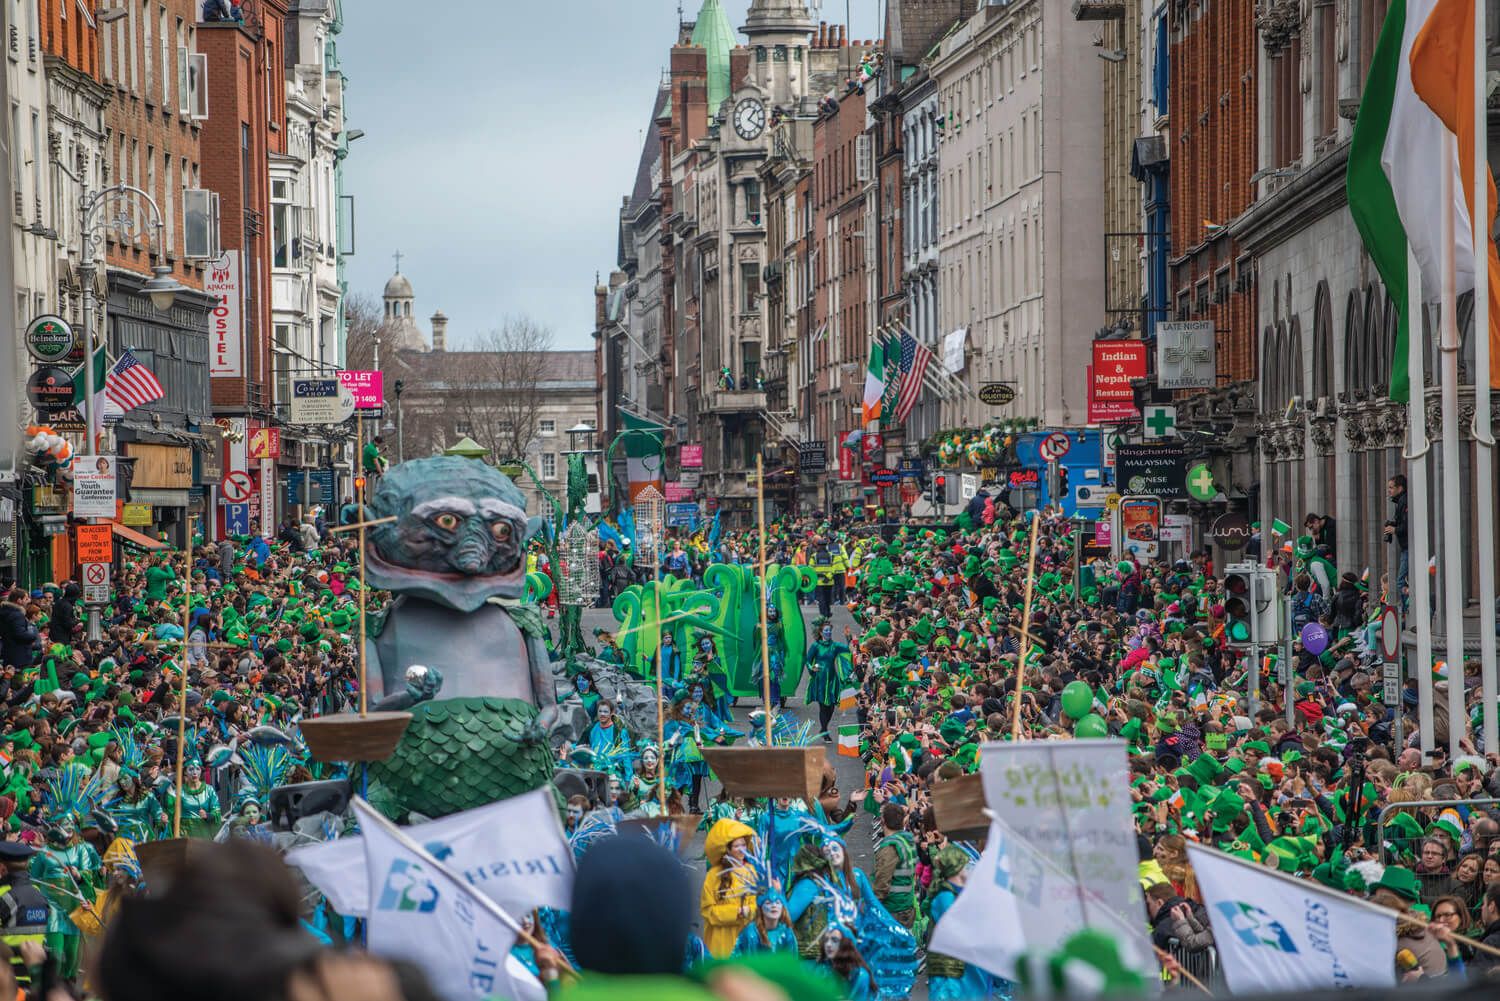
161 476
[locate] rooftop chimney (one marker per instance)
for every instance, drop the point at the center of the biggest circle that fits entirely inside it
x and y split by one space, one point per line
439 331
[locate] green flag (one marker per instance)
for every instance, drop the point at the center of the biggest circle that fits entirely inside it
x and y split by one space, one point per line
101 369
642 440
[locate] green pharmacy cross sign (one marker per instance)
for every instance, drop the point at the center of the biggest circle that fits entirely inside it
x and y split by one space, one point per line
1200 483
1160 422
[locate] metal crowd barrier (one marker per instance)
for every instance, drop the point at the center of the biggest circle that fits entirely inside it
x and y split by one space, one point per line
1414 844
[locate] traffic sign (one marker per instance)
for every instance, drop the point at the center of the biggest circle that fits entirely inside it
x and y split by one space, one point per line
95 544
96 583
1390 636
237 519
1200 483
237 487
1055 446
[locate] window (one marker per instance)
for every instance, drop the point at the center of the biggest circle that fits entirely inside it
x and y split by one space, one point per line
864 160
463 428
546 426
749 286
184 87
760 53
549 465
200 223
198 85
1328 72
778 54
286 234
752 201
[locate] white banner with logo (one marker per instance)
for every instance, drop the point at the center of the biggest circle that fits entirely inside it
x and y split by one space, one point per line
226 338
94 486
953 350
1068 802
1277 933
423 912
512 851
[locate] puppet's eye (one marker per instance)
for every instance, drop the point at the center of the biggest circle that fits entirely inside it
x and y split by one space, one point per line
501 530
446 521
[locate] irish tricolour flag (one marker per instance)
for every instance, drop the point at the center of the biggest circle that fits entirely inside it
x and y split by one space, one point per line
1415 120
874 380
849 740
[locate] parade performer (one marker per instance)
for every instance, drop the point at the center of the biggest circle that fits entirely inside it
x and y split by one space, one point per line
707 665
728 898
776 649
770 931
587 691
688 726
68 871
201 815
610 741
138 813
828 675
644 781
839 954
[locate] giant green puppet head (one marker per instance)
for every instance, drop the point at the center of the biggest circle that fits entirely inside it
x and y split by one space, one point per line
459 537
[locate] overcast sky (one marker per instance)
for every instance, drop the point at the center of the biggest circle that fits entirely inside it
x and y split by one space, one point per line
499 139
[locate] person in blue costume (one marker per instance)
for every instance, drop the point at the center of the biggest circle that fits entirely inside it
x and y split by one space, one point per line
610 741
828 673
708 665
838 954
949 978
770 931
690 725
829 889
671 660
139 814
588 693
776 646
523 950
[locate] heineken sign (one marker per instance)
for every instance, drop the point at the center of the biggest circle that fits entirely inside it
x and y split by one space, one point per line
997 394
49 339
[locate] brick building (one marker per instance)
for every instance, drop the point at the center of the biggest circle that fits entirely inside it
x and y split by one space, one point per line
1214 101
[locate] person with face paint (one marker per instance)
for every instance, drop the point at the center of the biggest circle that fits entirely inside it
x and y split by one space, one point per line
776 647
588 693
671 659
644 781
523 950
727 902
820 895
609 740
573 813
689 725
770 931
828 674
201 814
840 956
248 823
708 665
139 814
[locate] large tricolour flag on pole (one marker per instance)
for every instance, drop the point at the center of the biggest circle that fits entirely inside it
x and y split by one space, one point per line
874 380
1277 933
643 440
1399 146
1442 73
424 912
512 851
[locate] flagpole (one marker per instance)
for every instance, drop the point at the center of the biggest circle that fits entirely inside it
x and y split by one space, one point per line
1452 554
1015 721
1419 608
1484 442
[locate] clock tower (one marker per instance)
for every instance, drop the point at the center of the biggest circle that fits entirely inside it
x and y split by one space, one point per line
777 33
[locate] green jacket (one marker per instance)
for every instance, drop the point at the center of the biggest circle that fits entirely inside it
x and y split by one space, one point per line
901 896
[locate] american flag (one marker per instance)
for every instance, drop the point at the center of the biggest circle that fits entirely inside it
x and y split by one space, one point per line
130 384
914 359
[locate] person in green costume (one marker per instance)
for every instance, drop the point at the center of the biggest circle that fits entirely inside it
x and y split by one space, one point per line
828 672
68 872
139 814
201 814
157 578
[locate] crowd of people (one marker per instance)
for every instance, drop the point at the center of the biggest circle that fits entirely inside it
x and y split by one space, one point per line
212 674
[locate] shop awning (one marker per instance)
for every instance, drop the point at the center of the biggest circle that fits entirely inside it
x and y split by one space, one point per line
135 538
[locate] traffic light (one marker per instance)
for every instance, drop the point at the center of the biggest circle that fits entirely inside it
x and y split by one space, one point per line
1239 604
359 483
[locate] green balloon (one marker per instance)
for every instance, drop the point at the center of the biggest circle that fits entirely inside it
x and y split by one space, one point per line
1092 725
1077 699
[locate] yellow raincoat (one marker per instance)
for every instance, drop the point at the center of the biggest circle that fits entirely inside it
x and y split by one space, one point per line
728 898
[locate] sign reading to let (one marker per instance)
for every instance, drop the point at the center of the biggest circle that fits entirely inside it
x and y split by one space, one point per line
93 544
368 388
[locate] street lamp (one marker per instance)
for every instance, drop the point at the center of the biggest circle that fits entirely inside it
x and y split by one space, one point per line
581 437
400 386
161 288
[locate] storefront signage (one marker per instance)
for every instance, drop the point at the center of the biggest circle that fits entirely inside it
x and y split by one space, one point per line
226 338
1186 355
847 459
1024 478
50 389
1116 363
1158 470
678 492
812 458
319 401
49 339
1140 526
884 476
997 394
1230 531
689 456
136 515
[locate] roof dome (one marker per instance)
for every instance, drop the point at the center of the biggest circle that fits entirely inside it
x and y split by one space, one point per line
398 287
